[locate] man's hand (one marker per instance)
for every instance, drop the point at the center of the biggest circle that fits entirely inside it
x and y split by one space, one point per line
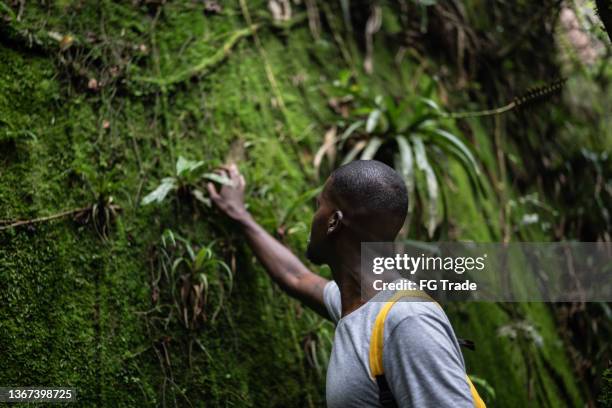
230 199
280 263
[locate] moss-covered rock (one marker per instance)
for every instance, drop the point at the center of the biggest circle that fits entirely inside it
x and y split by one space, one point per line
80 119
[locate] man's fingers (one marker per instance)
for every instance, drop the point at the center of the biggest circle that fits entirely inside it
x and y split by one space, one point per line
242 181
230 171
212 191
222 172
234 170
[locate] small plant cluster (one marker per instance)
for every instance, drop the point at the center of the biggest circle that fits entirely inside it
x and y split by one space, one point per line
189 285
184 183
100 215
411 133
197 280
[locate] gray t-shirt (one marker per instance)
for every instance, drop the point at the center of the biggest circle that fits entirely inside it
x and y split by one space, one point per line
421 356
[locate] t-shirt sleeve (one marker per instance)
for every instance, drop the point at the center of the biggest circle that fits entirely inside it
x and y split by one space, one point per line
424 366
332 300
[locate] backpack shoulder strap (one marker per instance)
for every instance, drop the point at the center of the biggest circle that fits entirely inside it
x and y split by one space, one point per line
377 370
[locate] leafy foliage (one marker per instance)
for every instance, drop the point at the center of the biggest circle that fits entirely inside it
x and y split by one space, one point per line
194 277
189 287
521 329
185 180
411 133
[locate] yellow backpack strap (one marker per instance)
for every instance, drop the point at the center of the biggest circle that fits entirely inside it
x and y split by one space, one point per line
378 333
478 402
377 370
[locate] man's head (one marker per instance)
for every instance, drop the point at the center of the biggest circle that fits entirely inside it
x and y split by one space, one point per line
364 200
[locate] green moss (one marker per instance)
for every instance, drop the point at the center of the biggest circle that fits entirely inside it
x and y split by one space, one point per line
72 310
606 394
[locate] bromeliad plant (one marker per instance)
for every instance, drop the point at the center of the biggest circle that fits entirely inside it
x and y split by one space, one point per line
184 183
189 286
411 133
199 280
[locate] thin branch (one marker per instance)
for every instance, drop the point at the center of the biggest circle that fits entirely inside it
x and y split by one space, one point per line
19 223
206 64
76 211
530 96
488 112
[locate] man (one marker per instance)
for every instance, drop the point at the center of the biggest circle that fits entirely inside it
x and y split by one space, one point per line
363 201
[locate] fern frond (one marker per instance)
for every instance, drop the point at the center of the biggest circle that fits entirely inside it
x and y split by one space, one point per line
529 97
539 93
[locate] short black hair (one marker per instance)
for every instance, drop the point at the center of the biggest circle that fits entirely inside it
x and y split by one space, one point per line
370 188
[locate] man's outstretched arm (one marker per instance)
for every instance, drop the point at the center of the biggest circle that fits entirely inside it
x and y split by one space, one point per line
281 264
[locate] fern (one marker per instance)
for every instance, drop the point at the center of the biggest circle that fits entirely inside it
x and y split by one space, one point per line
531 96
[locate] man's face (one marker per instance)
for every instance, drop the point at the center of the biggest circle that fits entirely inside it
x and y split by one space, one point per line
318 243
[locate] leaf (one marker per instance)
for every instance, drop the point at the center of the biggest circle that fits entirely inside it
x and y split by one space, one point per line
184 166
404 164
363 110
484 384
354 151
351 129
217 178
420 120
203 279
373 119
456 142
203 254
459 150
433 190
199 195
300 200
370 151
228 271
378 100
189 249
177 263
387 103
432 104
196 302
344 77
167 184
398 116
328 148
406 167
168 235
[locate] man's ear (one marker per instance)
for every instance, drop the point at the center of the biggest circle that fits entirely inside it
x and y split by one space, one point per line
334 222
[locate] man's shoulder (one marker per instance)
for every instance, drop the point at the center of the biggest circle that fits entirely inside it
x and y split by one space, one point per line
332 300
415 310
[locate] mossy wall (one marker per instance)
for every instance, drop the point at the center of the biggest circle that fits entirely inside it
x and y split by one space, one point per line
72 303
77 308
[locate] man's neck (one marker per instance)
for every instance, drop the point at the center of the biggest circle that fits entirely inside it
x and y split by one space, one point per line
346 275
346 270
